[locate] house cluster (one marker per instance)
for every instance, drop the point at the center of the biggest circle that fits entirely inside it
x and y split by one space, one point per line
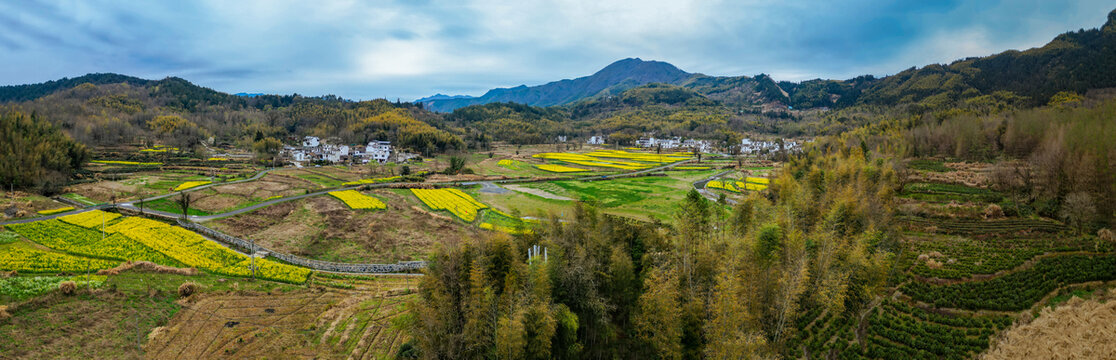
596 140
675 143
750 146
315 149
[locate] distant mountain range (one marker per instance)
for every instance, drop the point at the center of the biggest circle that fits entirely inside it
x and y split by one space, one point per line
1073 61
613 79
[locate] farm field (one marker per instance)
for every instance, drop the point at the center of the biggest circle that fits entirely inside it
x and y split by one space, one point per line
324 228
644 198
961 282
139 314
352 322
57 246
131 186
224 198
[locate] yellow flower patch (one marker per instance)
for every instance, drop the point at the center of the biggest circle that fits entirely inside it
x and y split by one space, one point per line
559 168
757 180
90 219
190 184
55 211
453 200
356 200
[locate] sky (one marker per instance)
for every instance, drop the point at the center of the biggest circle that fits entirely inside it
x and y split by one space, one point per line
413 48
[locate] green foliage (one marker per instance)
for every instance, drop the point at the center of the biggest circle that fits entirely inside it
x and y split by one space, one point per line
35 154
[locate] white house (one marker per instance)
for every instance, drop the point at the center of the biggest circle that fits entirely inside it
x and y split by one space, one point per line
596 140
311 141
378 150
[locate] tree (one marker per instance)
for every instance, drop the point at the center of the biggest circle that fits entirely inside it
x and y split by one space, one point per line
694 227
268 148
731 329
1078 210
184 204
656 323
456 164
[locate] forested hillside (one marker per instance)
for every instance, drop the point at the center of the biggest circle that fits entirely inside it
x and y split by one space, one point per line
36 154
178 113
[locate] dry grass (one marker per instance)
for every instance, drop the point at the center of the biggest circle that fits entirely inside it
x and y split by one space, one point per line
148 266
1076 330
67 287
187 289
309 324
4 313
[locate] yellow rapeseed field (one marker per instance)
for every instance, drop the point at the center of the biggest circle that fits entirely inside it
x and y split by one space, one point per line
453 200
355 200
55 211
559 168
90 219
190 184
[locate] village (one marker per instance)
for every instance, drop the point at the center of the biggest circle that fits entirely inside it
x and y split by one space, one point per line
746 147
317 150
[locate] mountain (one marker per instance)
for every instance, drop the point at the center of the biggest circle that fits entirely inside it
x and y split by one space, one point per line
16 93
613 79
1074 61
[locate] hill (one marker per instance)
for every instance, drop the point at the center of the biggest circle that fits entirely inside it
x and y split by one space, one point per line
613 79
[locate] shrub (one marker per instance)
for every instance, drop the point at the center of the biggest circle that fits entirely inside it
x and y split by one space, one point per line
67 287
993 211
1106 235
187 289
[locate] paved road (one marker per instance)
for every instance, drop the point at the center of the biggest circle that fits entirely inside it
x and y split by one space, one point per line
700 186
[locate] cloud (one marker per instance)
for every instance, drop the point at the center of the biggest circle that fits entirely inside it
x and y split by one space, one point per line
413 48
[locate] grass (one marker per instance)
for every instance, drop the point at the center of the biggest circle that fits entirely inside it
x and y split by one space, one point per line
928 165
168 205
79 198
651 197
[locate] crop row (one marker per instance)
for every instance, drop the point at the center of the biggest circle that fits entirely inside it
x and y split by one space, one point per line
1019 290
559 168
962 257
580 159
453 200
644 157
355 200
979 227
899 331
42 262
90 219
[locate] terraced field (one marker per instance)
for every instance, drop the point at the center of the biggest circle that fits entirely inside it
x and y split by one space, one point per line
347 317
958 283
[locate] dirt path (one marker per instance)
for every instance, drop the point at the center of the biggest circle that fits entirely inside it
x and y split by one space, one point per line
536 192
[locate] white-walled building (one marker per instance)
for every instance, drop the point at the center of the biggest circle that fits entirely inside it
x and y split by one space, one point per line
379 151
311 141
596 140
